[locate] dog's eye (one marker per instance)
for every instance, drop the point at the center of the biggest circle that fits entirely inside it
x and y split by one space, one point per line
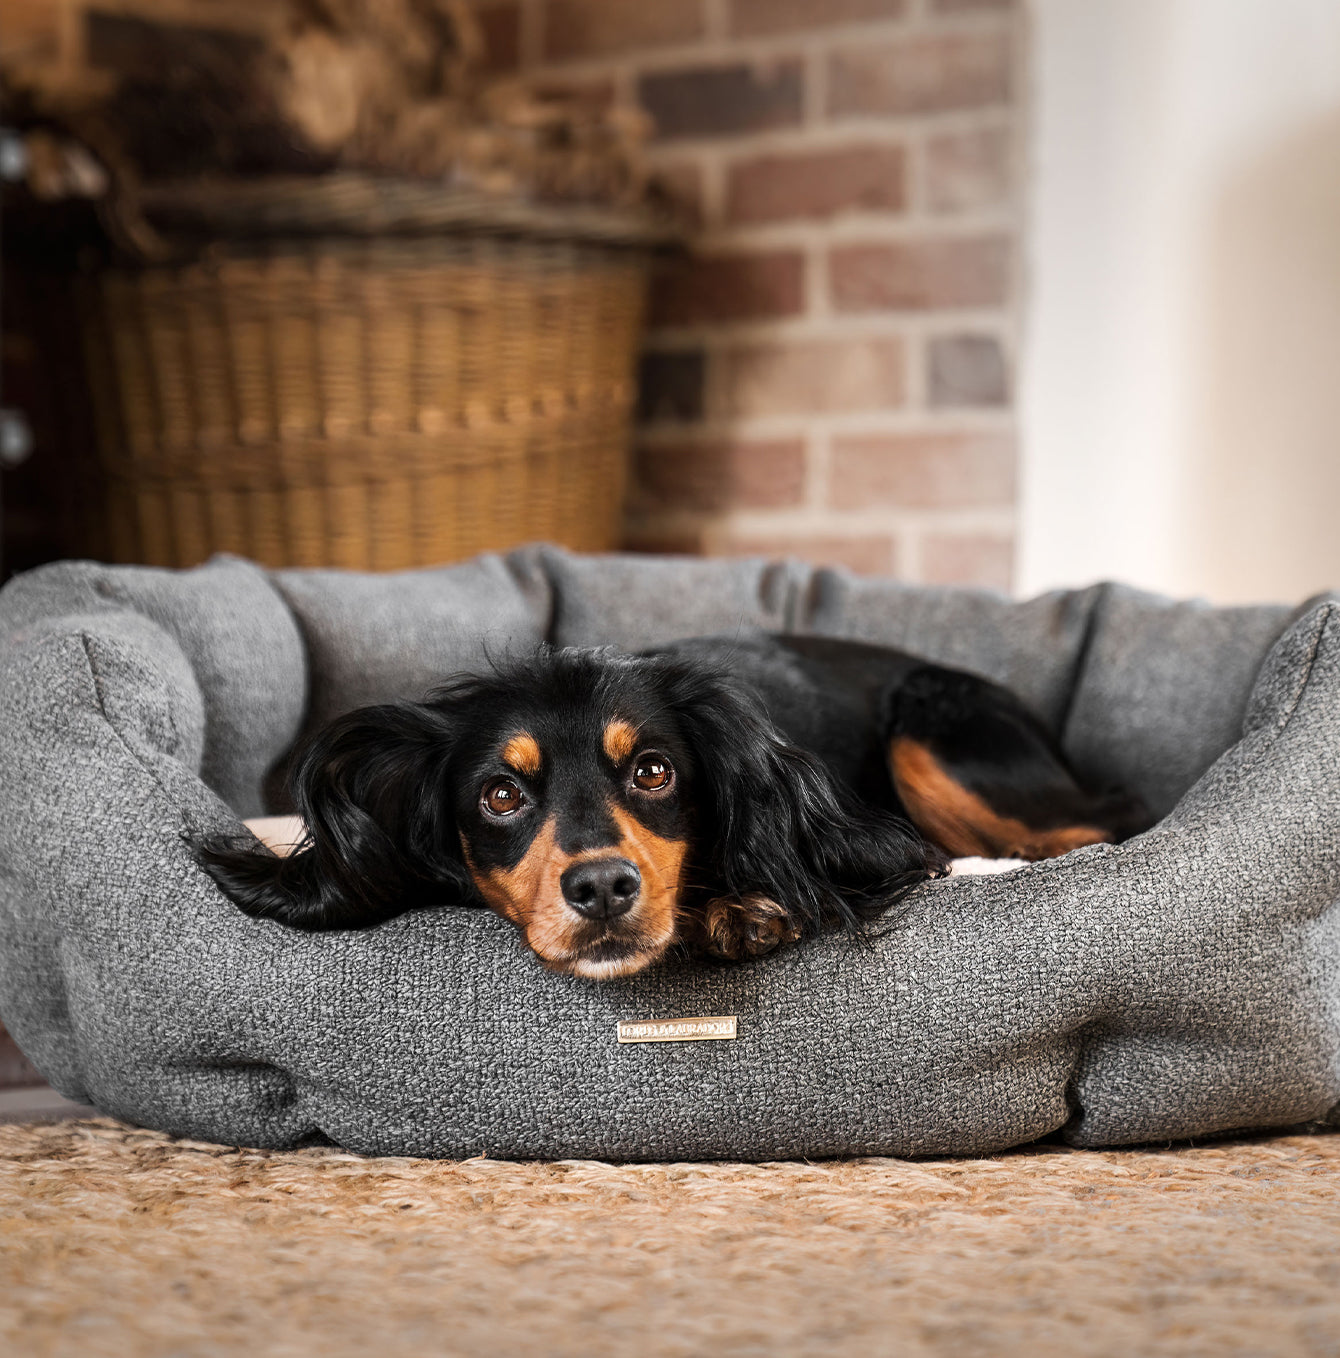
502 797
652 773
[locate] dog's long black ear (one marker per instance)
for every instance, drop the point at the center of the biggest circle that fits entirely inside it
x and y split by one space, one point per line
381 835
776 823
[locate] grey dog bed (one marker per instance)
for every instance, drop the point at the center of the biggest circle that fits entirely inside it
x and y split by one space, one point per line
1184 983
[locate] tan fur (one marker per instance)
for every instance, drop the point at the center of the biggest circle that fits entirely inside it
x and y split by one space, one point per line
620 740
531 897
661 863
746 927
962 823
522 753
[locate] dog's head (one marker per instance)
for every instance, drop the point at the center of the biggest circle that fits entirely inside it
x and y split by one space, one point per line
572 793
597 801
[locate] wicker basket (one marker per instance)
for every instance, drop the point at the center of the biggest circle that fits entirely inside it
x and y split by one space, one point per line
363 374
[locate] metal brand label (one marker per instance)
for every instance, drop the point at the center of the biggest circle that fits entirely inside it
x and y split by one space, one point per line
716 1029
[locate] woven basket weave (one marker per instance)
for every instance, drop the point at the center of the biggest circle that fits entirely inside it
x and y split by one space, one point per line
306 393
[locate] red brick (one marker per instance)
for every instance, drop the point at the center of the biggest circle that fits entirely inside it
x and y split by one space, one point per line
593 28
867 553
501 28
920 275
922 471
709 289
980 559
720 475
721 101
969 170
750 17
921 75
818 184
813 377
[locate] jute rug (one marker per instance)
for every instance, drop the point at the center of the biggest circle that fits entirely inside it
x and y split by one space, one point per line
127 1243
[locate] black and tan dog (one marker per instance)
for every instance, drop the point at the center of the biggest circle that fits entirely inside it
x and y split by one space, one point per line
722 794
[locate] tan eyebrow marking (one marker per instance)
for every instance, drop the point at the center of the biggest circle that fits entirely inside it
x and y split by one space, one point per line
522 753
620 740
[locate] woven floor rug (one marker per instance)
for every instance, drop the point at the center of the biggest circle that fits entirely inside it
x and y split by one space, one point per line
124 1243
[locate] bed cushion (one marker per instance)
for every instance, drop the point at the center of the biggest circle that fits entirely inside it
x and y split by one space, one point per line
242 644
1184 983
372 638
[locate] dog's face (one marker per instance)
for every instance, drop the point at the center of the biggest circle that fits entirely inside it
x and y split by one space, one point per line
574 826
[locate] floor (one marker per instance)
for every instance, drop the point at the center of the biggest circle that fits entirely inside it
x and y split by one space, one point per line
121 1242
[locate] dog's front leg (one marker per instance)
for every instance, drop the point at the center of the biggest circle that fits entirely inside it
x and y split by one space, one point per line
740 927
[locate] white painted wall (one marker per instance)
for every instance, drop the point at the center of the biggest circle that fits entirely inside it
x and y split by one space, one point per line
1180 381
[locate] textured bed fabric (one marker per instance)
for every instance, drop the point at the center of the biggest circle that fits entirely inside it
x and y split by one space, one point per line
368 643
239 639
1184 983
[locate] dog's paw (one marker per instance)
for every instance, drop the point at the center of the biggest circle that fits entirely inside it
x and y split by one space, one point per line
738 928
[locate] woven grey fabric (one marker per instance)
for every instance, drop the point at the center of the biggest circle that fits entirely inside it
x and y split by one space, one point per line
1184 983
1032 648
370 641
234 630
1145 717
648 601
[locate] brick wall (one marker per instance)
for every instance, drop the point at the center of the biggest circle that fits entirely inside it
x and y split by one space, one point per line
830 374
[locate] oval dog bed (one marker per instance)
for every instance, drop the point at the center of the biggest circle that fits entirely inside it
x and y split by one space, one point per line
1184 983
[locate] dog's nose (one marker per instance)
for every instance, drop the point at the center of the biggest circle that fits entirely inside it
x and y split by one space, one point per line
602 888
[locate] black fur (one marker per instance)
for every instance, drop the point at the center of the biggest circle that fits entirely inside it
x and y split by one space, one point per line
380 837
782 790
387 791
775 820
998 749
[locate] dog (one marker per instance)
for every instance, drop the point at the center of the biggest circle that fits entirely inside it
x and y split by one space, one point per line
725 795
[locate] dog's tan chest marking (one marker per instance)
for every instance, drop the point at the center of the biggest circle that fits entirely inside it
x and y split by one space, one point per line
522 754
962 823
620 741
